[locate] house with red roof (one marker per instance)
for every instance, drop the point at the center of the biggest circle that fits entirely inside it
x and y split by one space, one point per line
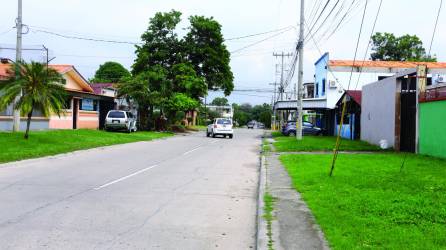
351 125
83 106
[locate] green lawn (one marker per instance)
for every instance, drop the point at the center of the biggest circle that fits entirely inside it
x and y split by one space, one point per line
318 143
197 128
370 204
51 142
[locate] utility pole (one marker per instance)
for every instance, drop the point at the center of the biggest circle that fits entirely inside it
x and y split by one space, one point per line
18 58
281 88
273 106
282 55
300 51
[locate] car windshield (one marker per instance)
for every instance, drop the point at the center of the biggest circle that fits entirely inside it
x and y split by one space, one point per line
224 121
308 124
116 114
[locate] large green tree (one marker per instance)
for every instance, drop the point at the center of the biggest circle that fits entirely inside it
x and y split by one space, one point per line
39 87
187 66
149 90
388 47
110 72
220 101
206 50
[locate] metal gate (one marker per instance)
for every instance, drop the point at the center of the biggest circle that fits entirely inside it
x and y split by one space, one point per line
408 121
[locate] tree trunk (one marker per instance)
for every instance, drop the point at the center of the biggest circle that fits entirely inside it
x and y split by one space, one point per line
142 112
28 123
151 121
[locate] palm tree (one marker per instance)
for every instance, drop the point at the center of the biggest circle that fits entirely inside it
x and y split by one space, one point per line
41 87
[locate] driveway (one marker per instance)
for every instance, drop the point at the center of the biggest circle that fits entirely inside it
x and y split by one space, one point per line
185 192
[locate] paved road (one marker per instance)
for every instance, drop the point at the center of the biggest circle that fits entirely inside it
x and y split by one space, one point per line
185 192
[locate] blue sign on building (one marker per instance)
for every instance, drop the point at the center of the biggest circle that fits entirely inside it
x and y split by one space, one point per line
87 104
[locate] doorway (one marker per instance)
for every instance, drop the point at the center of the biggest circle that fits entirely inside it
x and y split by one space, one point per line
408 115
75 112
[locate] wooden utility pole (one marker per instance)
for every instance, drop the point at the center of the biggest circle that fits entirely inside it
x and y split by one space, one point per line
300 51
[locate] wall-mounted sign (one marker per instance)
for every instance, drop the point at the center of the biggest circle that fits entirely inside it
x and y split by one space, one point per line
87 104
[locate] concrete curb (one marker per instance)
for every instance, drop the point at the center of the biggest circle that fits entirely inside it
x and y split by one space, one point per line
261 237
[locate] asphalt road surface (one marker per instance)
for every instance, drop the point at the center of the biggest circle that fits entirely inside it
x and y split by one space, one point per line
185 192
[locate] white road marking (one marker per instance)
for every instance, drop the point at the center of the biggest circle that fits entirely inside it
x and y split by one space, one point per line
192 150
125 177
143 170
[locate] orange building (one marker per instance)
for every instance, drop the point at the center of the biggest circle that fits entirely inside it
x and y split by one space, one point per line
83 106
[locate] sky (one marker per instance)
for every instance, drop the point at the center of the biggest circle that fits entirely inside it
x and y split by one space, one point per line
253 67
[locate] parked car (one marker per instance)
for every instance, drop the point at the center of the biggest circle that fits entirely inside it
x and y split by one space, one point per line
251 125
220 126
308 129
260 125
120 120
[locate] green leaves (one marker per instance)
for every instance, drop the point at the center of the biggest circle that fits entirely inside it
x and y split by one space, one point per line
201 50
110 72
181 102
207 52
41 87
387 47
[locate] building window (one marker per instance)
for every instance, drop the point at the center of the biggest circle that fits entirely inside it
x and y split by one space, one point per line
323 87
316 89
88 104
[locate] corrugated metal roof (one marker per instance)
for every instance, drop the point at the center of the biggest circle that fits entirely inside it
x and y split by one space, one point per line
385 64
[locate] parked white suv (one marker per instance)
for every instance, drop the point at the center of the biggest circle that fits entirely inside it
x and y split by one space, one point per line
220 126
120 120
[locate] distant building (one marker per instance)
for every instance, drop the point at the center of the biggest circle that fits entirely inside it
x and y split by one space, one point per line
224 111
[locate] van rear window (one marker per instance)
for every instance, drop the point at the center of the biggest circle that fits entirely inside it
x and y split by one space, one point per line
224 121
116 114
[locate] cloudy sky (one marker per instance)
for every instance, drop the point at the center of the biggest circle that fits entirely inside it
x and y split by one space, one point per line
253 67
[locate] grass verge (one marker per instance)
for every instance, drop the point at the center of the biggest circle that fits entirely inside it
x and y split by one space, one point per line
268 209
370 204
51 142
196 128
318 143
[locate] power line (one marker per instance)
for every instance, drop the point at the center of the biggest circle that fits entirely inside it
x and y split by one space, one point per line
93 56
368 44
341 22
338 140
334 19
320 14
83 38
323 22
5 32
326 61
357 44
255 43
258 34
435 27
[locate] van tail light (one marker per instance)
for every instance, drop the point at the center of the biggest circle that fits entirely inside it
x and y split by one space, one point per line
215 125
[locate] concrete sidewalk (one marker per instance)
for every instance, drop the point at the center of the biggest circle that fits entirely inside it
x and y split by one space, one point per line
294 226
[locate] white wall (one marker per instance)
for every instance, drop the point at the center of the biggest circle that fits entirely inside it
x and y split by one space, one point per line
378 111
333 94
